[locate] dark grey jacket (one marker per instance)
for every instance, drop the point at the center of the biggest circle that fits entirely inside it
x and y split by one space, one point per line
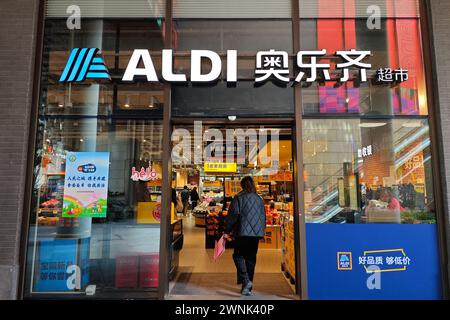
246 216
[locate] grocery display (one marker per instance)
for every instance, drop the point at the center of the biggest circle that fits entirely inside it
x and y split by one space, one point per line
214 226
51 191
287 243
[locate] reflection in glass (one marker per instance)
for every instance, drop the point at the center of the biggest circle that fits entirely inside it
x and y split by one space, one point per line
368 171
119 251
395 44
116 40
222 35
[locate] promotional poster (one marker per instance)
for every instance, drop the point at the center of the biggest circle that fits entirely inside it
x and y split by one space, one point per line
86 185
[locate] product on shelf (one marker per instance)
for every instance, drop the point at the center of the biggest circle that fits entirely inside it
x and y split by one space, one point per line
287 244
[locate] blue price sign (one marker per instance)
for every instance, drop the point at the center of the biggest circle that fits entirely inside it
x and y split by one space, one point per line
373 261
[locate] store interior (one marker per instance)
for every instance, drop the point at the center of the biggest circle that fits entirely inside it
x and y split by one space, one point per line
217 180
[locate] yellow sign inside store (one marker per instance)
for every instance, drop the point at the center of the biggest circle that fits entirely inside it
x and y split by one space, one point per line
148 212
220 167
215 183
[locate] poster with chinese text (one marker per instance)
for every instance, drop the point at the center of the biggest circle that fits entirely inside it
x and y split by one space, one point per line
86 185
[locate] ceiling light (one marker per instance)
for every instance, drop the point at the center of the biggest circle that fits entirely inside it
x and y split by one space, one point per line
126 105
60 105
152 102
81 140
372 124
231 118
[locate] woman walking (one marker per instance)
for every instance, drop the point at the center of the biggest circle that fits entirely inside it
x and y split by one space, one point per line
194 197
246 221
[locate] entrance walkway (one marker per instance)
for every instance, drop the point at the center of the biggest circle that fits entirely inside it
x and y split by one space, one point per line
200 278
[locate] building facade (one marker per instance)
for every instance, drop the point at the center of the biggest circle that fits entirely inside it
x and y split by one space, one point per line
99 97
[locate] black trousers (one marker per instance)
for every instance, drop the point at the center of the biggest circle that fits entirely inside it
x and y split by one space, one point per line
244 256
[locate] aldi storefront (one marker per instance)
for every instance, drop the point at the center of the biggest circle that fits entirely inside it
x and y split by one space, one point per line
326 104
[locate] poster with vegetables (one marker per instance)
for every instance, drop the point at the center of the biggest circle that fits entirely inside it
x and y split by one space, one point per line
86 185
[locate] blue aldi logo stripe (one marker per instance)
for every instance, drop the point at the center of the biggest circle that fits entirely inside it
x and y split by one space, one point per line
345 261
84 64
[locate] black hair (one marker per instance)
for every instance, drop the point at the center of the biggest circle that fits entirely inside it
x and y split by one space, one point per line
247 184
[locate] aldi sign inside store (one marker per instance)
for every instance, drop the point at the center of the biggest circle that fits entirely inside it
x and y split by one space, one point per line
85 63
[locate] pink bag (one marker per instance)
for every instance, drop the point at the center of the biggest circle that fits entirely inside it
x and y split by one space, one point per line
219 248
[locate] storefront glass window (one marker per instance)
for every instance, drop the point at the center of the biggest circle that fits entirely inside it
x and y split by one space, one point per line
242 35
96 202
92 207
245 26
369 200
390 30
353 167
244 100
117 39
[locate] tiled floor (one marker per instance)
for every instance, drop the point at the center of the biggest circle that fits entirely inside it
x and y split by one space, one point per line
201 278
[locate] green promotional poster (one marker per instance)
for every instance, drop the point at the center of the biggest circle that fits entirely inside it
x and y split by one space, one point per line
86 185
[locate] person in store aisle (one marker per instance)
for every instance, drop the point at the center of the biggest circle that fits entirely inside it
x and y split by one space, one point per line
194 197
386 195
246 222
185 199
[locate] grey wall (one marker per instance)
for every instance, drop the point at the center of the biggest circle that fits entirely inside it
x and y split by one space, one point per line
18 22
440 21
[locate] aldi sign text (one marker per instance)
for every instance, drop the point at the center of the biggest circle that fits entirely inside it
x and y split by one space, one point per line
311 66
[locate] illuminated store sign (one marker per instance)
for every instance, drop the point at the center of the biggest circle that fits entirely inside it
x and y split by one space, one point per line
365 152
145 174
270 65
84 64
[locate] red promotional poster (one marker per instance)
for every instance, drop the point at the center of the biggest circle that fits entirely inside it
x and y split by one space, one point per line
126 271
148 270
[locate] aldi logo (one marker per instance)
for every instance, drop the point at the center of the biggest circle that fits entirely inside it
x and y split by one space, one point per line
344 260
84 64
